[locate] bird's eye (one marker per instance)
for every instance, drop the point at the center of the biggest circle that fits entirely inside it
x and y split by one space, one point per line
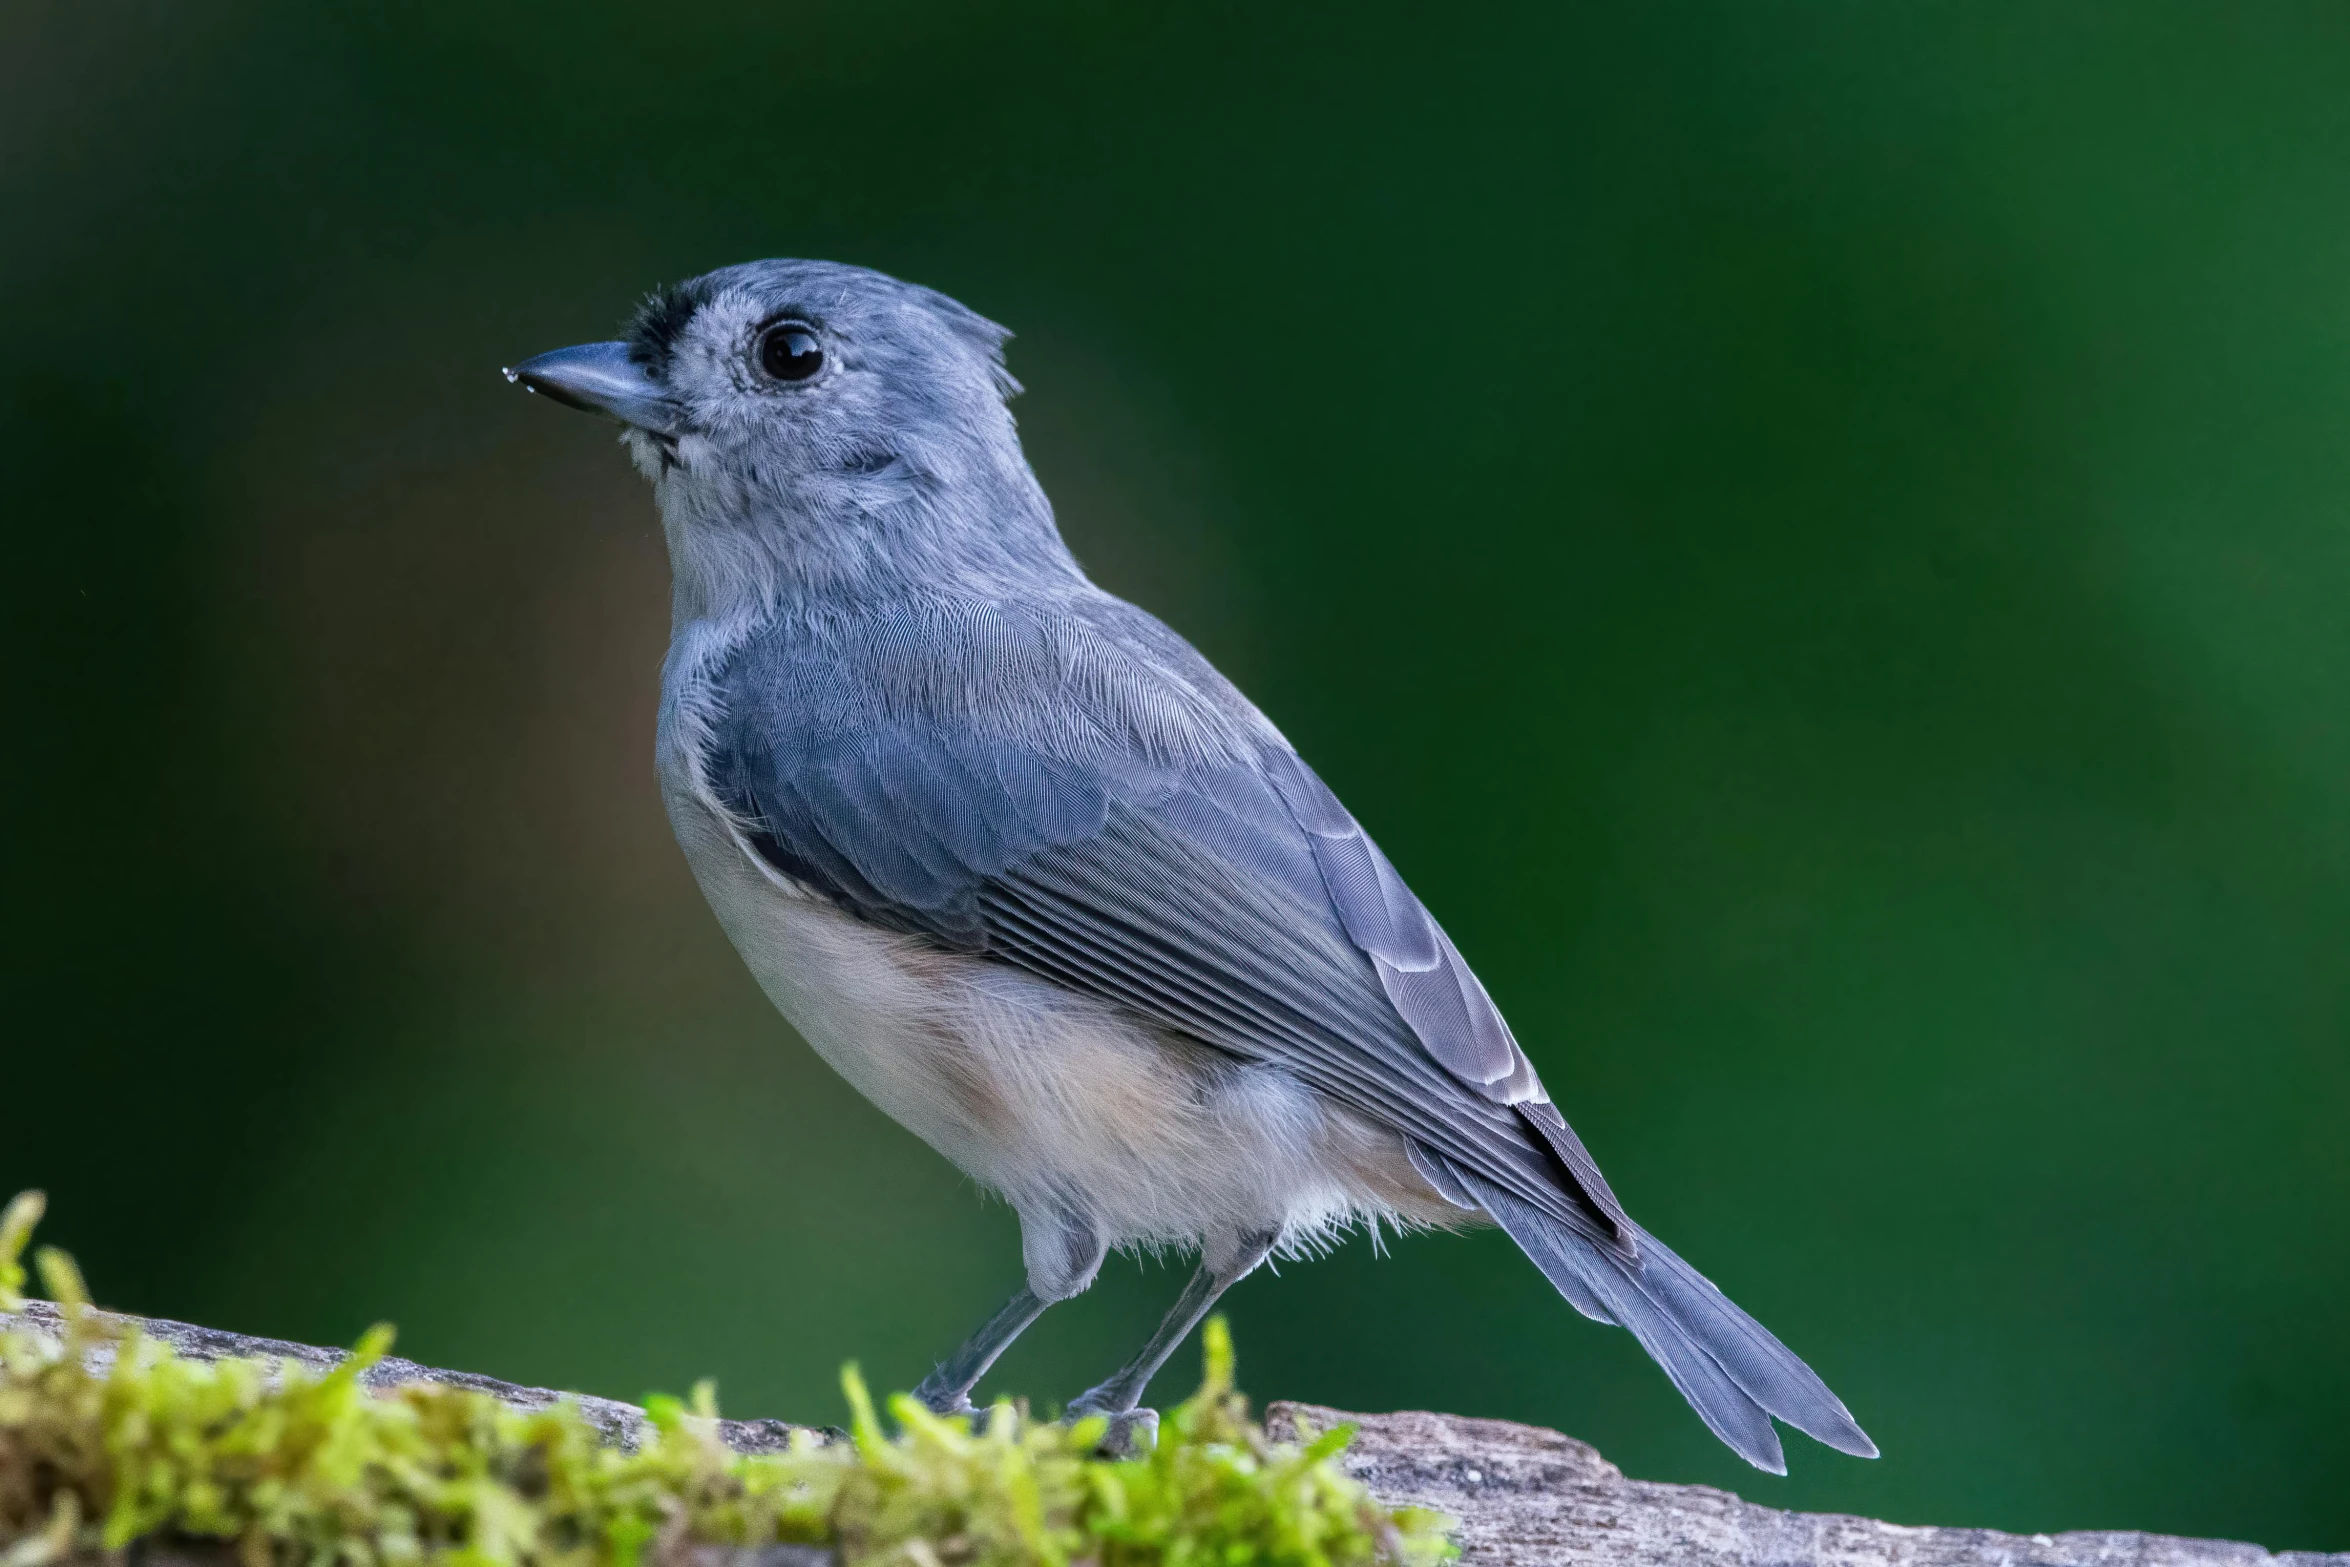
789 351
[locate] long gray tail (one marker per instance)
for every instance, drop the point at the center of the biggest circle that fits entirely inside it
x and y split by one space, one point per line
1732 1371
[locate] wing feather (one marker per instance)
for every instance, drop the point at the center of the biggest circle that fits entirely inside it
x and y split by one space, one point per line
1140 843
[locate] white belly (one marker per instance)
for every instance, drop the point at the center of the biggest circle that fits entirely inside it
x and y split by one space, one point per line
1044 1095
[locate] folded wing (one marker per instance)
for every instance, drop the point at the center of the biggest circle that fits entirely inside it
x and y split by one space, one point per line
1138 850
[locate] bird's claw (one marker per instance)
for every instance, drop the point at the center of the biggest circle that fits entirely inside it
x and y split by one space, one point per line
1129 1434
944 1401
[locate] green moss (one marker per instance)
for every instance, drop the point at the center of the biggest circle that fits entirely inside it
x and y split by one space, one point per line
296 1466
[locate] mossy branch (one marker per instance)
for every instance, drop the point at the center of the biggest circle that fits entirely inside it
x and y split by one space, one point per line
289 1454
110 1437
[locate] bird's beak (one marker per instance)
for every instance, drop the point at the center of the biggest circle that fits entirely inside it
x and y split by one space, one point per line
602 379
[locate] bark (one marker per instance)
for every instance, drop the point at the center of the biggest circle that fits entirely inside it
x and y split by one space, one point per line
1524 1497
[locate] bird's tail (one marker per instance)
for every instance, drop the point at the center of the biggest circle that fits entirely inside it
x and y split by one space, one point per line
1732 1371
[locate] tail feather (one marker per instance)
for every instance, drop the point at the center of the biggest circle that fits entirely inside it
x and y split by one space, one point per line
1771 1373
1726 1364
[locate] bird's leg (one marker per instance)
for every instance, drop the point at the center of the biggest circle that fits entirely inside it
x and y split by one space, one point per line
947 1390
1063 1250
1131 1426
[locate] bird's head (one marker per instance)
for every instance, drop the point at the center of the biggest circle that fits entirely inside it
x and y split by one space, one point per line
812 425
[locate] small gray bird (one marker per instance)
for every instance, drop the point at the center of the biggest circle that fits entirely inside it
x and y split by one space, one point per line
1042 884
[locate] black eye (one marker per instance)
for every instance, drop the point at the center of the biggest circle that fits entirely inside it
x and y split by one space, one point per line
790 352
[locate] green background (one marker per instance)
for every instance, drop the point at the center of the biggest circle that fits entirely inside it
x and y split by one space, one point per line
1817 535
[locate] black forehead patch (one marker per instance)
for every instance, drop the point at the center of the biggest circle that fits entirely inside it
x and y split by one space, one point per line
661 320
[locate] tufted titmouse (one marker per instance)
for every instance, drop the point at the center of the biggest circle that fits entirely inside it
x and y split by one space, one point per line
1041 883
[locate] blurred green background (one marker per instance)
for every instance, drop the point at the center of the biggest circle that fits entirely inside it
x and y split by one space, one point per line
1818 535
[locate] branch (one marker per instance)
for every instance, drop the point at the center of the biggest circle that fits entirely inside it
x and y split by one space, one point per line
1525 1497
623 1425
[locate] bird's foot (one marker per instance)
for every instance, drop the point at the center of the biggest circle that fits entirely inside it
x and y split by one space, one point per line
1131 1432
941 1399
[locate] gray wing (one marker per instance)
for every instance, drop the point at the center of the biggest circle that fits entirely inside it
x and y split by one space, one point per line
1217 888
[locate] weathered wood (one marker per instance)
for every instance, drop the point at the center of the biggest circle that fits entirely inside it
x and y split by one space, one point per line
623 1425
1525 1497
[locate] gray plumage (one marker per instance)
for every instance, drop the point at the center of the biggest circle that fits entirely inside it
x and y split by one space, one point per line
1042 883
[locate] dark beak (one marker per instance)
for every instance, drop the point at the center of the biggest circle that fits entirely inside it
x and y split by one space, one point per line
601 379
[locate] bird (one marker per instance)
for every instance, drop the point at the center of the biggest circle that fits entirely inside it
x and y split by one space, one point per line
1040 883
